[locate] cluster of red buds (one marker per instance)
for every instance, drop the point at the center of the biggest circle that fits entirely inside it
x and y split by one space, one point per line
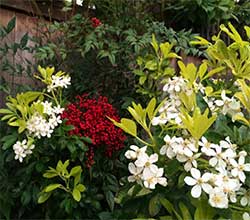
89 116
95 22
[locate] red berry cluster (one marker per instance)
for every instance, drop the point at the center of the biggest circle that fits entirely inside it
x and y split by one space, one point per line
89 117
95 22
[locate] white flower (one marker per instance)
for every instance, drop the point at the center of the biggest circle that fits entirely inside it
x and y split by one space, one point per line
59 81
174 85
58 110
239 168
136 171
47 107
229 105
207 147
143 160
245 200
198 182
218 199
135 152
152 178
159 120
246 216
219 160
190 161
21 150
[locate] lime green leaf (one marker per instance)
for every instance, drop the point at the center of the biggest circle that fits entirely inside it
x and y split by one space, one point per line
75 171
50 174
76 194
247 29
81 187
151 108
43 197
52 187
126 125
197 124
154 44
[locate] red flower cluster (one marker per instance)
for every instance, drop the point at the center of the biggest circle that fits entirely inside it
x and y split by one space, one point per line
89 117
95 22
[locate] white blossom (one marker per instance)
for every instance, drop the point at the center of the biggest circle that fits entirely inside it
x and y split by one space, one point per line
135 152
239 168
136 171
218 199
21 150
198 182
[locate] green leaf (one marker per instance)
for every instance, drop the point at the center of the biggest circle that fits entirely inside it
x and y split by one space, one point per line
43 197
204 210
76 194
151 65
247 29
8 140
81 187
52 187
24 40
50 174
197 124
110 199
150 108
11 25
75 171
154 206
126 125
185 212
154 44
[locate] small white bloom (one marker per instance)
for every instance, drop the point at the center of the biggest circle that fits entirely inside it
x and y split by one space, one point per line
246 216
245 200
147 162
239 168
218 199
136 171
206 147
135 152
152 178
198 182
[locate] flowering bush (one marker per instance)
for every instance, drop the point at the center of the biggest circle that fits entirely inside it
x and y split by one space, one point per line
34 116
198 137
89 116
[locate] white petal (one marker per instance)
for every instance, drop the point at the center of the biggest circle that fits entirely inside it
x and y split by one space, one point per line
131 179
196 191
153 158
207 187
242 177
162 181
132 168
195 173
206 177
213 161
163 150
244 201
247 167
190 181
134 147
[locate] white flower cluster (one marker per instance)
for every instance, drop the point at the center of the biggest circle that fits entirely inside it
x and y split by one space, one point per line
224 179
184 150
170 110
225 105
41 126
143 170
22 149
59 81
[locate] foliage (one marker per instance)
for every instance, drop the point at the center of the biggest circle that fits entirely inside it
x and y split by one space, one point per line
193 140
